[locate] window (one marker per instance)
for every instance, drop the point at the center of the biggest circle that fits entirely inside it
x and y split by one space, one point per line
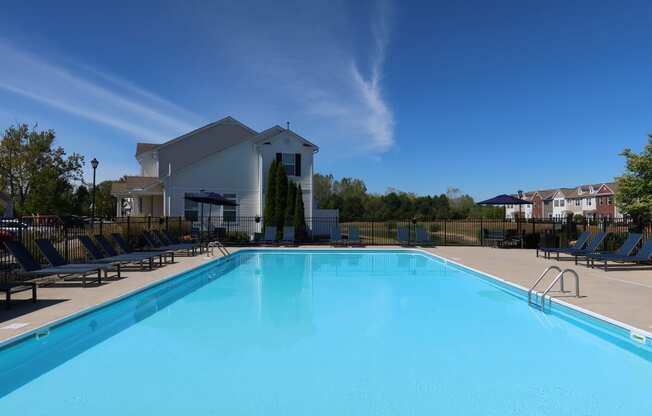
610 200
190 210
230 214
556 202
578 202
588 202
562 203
601 201
291 163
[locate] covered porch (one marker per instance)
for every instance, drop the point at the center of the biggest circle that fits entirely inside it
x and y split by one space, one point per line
139 196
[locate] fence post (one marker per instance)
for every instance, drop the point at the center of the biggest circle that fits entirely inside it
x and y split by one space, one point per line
65 244
149 222
167 226
101 227
445 233
128 231
481 233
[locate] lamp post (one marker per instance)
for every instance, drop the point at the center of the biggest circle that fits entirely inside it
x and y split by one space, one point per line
518 222
520 196
94 164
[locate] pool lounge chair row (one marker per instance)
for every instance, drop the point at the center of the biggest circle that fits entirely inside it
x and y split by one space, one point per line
587 247
103 257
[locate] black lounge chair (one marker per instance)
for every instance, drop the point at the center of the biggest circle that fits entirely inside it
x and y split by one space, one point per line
98 256
642 256
592 246
270 235
30 266
288 235
580 243
354 236
336 236
422 237
153 242
124 246
167 239
10 288
108 248
403 236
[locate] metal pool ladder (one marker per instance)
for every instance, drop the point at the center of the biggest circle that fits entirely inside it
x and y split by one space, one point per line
221 247
559 277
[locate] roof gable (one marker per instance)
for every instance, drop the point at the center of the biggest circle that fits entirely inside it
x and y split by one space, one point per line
272 132
200 143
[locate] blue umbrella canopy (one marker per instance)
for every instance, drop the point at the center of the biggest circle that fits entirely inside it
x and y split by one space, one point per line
211 198
505 200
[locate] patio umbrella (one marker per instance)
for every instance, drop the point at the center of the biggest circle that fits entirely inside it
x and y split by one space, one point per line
210 198
505 200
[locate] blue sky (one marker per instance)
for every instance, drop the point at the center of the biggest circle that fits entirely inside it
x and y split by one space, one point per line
488 97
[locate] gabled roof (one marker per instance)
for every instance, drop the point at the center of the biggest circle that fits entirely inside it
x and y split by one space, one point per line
272 132
134 184
145 147
608 188
238 130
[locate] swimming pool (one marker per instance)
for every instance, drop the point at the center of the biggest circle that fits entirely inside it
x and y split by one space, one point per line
328 332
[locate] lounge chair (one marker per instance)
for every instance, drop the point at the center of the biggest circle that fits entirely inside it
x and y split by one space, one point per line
10 288
167 239
592 246
422 237
108 248
270 235
124 246
643 255
30 266
336 236
288 235
97 256
55 259
403 236
354 236
580 243
154 242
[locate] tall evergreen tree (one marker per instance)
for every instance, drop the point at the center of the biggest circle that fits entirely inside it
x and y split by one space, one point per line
269 215
299 215
281 196
291 202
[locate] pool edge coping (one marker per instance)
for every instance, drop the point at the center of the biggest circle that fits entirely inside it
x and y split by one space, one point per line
60 321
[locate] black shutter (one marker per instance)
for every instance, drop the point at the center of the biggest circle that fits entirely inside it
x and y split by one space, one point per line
279 157
297 164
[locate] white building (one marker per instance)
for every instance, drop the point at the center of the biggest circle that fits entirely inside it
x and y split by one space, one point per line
226 157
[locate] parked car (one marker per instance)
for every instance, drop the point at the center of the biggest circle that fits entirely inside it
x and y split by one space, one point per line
10 227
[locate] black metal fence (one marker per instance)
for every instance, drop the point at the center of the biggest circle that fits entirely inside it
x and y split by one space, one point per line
249 230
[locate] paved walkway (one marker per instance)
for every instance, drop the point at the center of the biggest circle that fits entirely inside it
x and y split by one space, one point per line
624 294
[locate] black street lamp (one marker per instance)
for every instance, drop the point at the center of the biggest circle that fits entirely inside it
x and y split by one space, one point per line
520 196
94 164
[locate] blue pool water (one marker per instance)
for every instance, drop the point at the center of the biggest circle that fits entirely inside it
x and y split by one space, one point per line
327 333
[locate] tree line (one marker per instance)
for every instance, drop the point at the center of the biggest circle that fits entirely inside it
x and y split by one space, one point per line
284 202
354 202
42 179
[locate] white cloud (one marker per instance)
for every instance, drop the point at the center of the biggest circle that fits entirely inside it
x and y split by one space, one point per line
325 67
131 109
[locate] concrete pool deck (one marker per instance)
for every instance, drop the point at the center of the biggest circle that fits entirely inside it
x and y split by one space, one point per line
624 294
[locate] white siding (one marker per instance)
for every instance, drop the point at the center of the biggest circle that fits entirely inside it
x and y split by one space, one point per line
148 164
285 143
233 170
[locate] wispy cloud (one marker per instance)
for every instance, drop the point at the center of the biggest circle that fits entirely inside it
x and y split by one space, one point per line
115 103
330 73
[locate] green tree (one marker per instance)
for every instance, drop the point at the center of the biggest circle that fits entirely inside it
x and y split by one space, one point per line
106 204
281 197
634 194
269 215
290 203
36 175
81 201
299 215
